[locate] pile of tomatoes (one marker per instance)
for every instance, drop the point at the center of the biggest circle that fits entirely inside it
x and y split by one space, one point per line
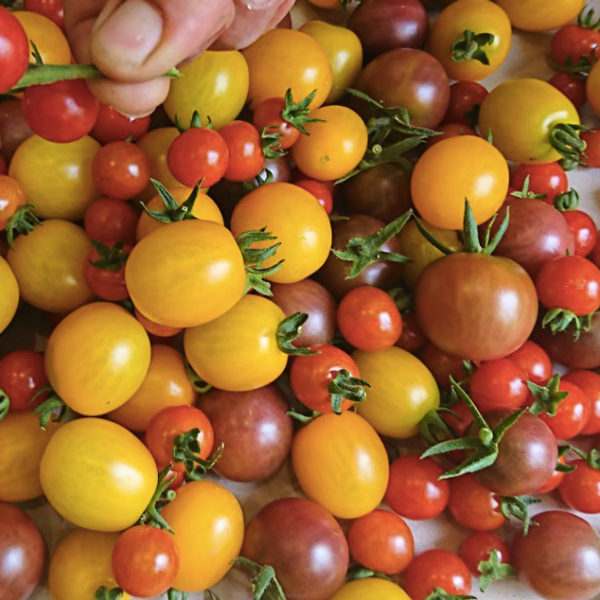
334 252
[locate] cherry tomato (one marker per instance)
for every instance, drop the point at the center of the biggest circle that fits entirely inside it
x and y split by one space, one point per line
371 588
548 179
108 281
534 361
9 299
112 126
320 191
22 375
11 198
412 338
381 541
474 505
498 384
47 36
589 383
580 489
109 221
415 490
478 547
465 99
571 86
353 466
436 569
15 50
592 151
573 42
584 231
533 15
555 479
145 561
572 413
246 159
268 115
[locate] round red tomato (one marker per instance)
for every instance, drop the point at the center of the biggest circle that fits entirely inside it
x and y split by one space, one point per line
548 179
534 361
473 505
498 384
22 375
478 546
584 231
104 271
112 126
580 489
589 383
108 221
246 158
572 413
14 50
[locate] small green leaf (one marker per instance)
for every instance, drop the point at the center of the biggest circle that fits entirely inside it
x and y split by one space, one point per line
161 497
265 585
492 569
546 397
289 330
23 222
52 409
112 258
346 387
470 46
186 450
297 113
197 382
518 507
4 404
104 593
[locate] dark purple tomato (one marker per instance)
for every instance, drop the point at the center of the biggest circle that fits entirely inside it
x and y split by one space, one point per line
303 543
536 233
279 168
476 306
22 553
384 25
410 78
308 296
560 557
382 192
255 429
527 456
381 274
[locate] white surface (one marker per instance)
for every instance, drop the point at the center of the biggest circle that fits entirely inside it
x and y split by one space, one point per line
528 58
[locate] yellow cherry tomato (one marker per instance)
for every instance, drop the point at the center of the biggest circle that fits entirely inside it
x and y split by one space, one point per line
47 37
593 89
165 384
402 391
188 273
22 443
541 15
209 530
48 264
341 463
334 146
98 475
284 58
56 178
456 168
215 84
344 51
461 22
238 351
298 222
9 298
372 588
97 358
80 564
204 209
537 107
155 145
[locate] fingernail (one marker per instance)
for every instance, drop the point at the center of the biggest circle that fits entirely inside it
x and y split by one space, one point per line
130 34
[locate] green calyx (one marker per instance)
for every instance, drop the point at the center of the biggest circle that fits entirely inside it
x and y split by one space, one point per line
52 409
303 417
289 330
173 211
23 221
346 387
484 445
560 319
492 569
567 200
254 259
362 252
470 46
364 573
441 594
565 139
587 19
111 259
592 458
186 450
297 113
173 594
199 385
434 428
270 144
547 397
525 192
265 585
517 507
104 593
4 404
195 122
161 497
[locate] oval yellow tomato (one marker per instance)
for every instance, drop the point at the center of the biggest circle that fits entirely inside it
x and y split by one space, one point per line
47 37
238 351
456 168
80 564
97 358
372 588
296 219
334 146
402 391
9 299
98 475
209 530
166 384
204 209
540 15
344 51
341 463
22 443
48 264
186 274
283 59
215 84
56 178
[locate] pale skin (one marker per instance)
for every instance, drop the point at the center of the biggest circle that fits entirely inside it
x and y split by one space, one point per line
133 42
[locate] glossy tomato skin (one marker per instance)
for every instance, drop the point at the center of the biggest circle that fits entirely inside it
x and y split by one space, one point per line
584 231
534 362
437 568
81 477
116 350
464 97
108 221
203 510
246 159
580 489
107 284
350 488
530 15
10 298
242 420
112 126
572 42
549 179
268 114
285 534
498 384
381 541
415 490
402 391
572 87
559 557
589 383
22 553
478 546
572 413
473 505
15 50
493 328
454 169
22 375
11 198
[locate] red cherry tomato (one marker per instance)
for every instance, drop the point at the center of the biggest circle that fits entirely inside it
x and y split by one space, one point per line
112 126
584 231
549 179
267 115
198 153
572 413
106 279
478 547
554 480
589 383
22 375
580 489
53 9
571 86
592 151
572 42
473 505
320 190
412 339
63 111
534 361
108 221
465 99
414 488
14 50
381 541
498 384
369 319
246 158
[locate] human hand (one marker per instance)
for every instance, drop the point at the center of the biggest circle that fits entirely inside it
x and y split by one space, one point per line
133 42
